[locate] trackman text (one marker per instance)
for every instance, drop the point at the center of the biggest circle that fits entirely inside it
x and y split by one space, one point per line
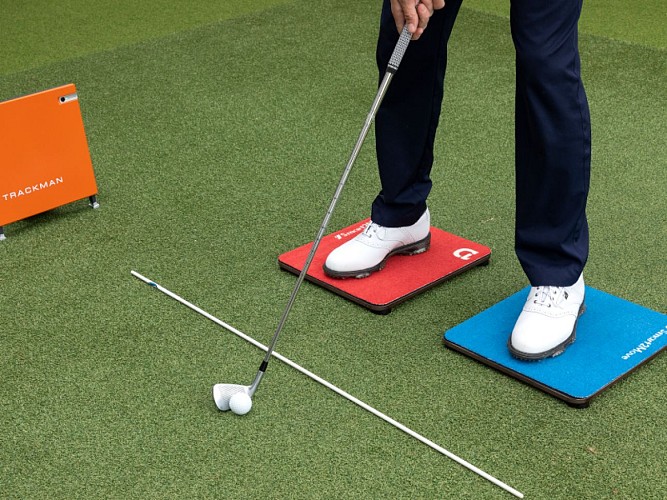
32 189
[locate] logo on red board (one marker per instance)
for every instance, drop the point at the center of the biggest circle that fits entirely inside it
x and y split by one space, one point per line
464 253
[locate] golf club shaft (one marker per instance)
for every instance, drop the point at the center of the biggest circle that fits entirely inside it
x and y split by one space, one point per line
395 60
335 389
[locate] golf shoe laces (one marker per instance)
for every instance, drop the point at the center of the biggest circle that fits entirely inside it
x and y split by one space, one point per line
548 296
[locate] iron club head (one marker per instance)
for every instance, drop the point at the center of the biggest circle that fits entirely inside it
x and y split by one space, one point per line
222 393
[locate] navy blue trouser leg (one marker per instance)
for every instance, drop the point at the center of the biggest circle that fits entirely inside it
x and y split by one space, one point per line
552 142
406 122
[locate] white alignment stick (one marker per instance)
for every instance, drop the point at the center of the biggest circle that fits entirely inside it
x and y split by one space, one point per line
341 392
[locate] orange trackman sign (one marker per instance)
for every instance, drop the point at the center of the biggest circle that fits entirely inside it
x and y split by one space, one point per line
44 157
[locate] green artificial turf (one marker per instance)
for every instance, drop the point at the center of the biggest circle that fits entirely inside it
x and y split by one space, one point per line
217 148
41 31
640 22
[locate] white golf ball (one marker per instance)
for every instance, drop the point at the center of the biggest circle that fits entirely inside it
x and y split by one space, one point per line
240 403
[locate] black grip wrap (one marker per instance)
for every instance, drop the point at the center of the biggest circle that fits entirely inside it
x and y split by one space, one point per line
399 50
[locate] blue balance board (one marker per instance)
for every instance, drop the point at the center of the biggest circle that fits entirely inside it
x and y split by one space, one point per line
613 338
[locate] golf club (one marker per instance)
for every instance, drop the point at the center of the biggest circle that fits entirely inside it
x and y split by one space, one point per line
223 393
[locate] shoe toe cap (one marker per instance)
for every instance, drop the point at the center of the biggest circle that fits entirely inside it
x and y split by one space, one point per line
354 256
535 333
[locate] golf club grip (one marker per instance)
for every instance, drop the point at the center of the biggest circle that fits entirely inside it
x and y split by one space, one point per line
399 50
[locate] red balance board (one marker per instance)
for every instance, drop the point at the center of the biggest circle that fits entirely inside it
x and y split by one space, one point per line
403 277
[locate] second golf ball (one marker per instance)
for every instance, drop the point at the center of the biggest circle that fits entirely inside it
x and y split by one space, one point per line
240 403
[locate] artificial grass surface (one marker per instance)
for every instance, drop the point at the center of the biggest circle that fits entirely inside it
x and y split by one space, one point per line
42 31
640 22
218 148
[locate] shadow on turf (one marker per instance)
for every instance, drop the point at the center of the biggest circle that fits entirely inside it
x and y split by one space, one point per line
37 222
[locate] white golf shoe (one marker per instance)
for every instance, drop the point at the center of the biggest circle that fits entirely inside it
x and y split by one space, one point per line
548 321
368 252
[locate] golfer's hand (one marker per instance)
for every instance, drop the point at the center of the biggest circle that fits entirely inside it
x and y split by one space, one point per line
415 15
